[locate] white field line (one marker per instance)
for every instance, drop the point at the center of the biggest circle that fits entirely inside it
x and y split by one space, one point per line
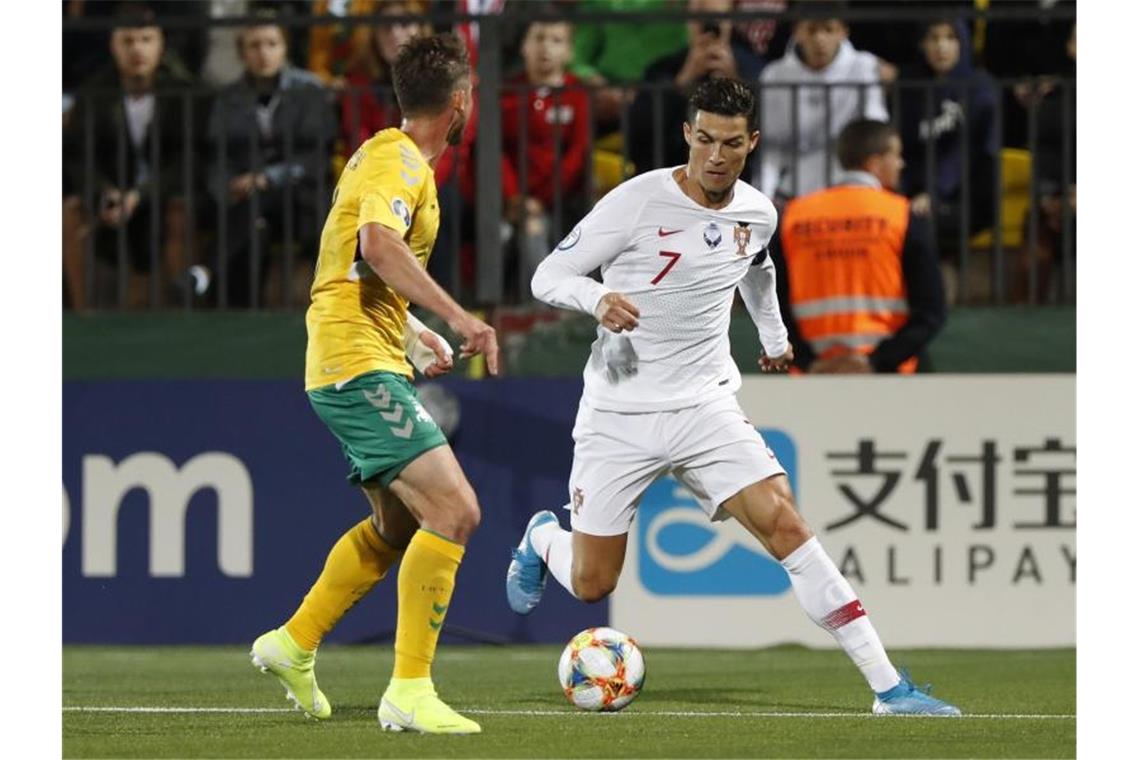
569 713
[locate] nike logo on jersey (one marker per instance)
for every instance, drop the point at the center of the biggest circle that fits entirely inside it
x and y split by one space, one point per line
662 232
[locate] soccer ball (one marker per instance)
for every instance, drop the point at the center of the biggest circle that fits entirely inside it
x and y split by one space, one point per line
601 670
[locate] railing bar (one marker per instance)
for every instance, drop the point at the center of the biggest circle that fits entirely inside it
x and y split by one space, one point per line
524 105
253 205
1034 215
659 133
828 89
188 202
556 214
795 143
92 219
998 230
288 200
157 273
964 201
121 228
223 191
1067 143
591 179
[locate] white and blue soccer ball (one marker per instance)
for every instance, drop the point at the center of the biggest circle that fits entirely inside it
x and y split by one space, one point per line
601 670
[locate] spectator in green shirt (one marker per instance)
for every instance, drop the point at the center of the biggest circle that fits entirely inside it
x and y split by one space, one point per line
617 53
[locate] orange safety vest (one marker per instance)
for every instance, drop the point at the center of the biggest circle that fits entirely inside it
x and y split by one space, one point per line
843 248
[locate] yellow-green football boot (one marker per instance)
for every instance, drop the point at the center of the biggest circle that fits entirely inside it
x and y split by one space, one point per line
275 652
411 704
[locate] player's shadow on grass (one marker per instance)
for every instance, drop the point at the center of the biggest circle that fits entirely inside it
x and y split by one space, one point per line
712 699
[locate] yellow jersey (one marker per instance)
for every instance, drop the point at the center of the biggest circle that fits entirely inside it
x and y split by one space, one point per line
355 321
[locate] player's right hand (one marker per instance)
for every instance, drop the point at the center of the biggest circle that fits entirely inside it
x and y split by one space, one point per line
443 363
479 338
615 312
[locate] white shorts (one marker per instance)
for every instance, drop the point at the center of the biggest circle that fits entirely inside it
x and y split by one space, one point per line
712 448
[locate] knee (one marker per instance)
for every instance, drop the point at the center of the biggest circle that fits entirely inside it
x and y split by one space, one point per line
593 587
469 518
465 516
789 529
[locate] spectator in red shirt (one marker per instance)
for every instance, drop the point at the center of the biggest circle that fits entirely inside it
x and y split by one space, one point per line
368 103
544 115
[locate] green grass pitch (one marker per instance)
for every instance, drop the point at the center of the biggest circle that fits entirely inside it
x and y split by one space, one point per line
777 703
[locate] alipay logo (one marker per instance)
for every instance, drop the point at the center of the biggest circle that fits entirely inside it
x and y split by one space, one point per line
682 553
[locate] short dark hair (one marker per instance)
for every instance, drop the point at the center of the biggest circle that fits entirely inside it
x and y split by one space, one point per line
427 70
861 139
820 10
724 96
541 12
262 17
134 16
951 21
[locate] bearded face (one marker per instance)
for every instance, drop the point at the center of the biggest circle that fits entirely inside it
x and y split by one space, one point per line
455 132
459 116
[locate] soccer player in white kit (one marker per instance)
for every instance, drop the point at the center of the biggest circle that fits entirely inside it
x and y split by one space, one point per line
660 385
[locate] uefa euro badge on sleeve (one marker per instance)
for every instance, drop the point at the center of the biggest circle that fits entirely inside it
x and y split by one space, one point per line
401 210
571 240
741 235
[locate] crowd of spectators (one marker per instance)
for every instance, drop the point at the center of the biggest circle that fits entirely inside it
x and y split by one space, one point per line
273 109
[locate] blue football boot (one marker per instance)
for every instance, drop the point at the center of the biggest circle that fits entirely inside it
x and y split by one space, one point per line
526 575
908 699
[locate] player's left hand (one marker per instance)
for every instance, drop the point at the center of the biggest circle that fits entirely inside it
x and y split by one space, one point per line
779 363
444 362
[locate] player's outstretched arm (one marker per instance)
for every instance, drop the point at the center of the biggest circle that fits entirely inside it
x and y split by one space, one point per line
560 282
758 290
562 279
391 259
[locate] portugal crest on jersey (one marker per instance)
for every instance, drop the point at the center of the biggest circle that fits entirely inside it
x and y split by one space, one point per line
741 235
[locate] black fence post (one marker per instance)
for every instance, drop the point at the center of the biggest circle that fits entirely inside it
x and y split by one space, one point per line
964 197
1034 211
997 270
121 227
91 213
488 146
157 213
189 220
1068 255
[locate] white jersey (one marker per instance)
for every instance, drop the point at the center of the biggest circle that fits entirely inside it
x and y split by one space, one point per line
680 264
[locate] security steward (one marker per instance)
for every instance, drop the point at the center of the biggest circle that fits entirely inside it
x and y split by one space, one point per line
857 271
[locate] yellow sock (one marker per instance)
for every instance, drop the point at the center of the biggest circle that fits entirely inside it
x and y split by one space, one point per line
426 580
356 563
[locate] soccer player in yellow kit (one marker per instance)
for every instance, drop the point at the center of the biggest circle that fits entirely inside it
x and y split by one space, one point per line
374 249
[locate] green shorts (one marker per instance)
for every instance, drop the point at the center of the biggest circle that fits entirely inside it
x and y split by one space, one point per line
379 422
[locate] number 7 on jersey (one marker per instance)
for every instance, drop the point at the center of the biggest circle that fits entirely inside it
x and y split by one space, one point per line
673 257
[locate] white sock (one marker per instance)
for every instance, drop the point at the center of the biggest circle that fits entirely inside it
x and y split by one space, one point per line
829 600
556 547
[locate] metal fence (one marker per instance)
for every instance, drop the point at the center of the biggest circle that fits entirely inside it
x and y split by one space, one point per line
191 245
